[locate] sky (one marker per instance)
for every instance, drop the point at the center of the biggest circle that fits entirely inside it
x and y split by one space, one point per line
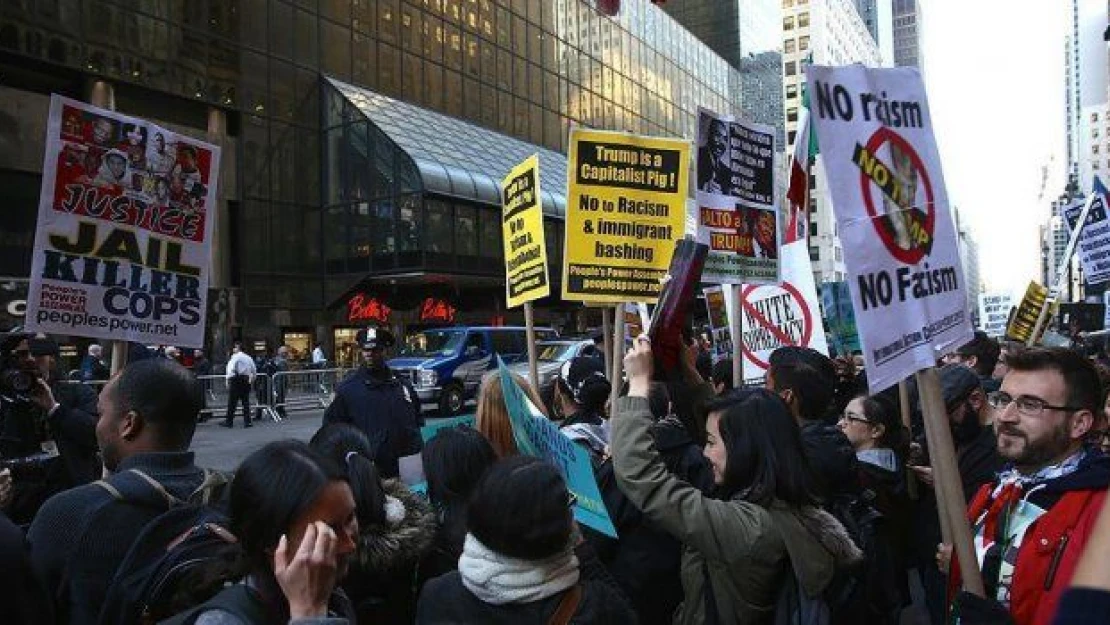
994 73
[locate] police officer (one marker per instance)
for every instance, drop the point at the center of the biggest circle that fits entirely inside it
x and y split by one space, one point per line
383 406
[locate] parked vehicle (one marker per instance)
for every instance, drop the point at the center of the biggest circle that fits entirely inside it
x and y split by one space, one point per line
550 356
446 365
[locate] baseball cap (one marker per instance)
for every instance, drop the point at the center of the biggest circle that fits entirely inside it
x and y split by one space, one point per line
957 381
373 338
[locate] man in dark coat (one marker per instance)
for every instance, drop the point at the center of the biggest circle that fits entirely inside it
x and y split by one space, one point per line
383 406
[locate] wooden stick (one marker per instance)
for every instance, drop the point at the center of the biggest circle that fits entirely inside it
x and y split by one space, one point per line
950 499
735 327
1040 322
618 356
530 330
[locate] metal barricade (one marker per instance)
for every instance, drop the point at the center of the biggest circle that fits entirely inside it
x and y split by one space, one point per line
216 396
306 389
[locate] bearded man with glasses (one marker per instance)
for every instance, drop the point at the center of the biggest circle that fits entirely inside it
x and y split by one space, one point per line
1032 523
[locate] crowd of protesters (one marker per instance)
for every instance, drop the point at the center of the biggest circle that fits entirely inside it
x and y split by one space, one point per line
808 499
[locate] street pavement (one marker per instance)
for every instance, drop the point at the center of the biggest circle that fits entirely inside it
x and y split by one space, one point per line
223 449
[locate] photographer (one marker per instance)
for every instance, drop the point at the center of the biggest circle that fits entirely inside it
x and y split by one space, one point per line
47 427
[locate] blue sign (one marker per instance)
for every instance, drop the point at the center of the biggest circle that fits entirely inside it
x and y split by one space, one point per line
429 431
536 436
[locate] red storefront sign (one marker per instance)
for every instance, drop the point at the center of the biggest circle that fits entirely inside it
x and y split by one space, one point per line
363 307
437 310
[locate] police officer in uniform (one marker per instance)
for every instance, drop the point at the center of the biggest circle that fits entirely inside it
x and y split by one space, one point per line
383 406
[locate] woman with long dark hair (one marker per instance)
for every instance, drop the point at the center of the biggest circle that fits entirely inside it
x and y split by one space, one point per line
396 528
764 523
294 515
454 460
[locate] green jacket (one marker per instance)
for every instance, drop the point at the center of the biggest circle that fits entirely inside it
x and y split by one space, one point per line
745 547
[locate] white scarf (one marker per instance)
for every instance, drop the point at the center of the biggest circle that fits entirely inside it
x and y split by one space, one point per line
882 458
497 579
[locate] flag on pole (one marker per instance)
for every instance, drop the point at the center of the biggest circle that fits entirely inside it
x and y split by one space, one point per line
798 191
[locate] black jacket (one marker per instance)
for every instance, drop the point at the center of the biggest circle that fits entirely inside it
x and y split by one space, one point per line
73 426
77 565
25 601
445 601
831 457
382 581
386 410
645 559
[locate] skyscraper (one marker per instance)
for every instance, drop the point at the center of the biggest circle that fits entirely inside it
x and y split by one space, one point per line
878 17
907 34
1085 82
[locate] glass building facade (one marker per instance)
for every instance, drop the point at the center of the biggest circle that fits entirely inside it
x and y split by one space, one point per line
320 197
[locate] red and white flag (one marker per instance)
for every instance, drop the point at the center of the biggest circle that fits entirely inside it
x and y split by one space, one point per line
797 223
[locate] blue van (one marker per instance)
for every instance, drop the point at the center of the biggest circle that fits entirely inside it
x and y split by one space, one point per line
446 365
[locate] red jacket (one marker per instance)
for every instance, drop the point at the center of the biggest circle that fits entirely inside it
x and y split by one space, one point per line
1052 545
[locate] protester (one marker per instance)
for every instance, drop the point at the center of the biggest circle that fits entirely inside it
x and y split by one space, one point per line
766 522
581 392
523 561
240 375
804 379
92 365
383 406
644 559
721 376
454 460
396 529
492 417
1044 505
71 414
294 515
875 431
78 539
981 353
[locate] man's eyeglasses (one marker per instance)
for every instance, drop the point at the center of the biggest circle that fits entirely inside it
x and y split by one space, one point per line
1026 405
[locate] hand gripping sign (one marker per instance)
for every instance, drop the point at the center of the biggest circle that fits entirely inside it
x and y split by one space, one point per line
892 212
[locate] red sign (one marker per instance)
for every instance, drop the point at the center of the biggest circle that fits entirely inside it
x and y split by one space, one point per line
437 310
362 307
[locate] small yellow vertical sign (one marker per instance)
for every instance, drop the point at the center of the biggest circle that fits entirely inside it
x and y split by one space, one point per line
522 227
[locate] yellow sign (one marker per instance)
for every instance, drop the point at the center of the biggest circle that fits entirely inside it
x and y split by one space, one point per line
522 227
626 207
1024 320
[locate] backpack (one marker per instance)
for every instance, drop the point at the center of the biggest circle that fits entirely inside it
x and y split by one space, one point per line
870 591
182 557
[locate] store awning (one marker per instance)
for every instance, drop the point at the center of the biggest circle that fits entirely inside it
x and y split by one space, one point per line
456 158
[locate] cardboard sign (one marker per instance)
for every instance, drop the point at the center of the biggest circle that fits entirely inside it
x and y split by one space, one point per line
738 216
893 215
124 229
780 315
428 432
840 318
1094 238
718 299
536 436
626 207
994 312
522 226
1024 320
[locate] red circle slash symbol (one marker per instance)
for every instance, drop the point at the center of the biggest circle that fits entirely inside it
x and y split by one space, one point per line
777 332
907 231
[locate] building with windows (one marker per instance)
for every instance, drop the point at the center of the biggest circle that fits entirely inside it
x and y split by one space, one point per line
1094 142
969 261
830 32
907 32
1085 81
362 141
878 17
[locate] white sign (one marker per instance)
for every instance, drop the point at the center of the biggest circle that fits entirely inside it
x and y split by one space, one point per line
1094 238
1106 314
782 314
738 216
718 300
124 229
878 150
994 312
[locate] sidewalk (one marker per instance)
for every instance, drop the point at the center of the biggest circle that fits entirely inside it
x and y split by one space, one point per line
220 448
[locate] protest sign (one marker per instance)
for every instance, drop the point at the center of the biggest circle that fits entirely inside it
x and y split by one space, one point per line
124 229
737 213
522 227
781 314
536 436
840 318
626 207
1106 310
994 312
1029 313
893 215
719 299
428 432
1094 237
